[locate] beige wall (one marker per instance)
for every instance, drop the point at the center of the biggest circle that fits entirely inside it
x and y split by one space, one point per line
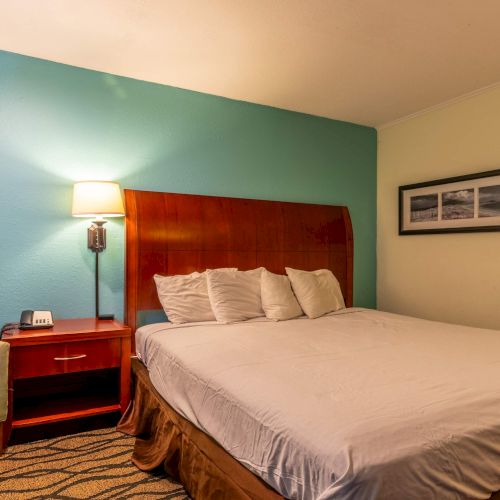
445 277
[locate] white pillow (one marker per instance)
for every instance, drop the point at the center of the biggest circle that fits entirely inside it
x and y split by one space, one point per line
278 301
235 296
184 297
318 292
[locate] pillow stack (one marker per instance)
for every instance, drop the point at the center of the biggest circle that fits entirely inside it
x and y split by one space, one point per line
235 296
278 301
184 298
228 295
318 292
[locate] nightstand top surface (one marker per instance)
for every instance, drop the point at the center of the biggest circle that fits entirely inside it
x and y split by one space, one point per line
64 329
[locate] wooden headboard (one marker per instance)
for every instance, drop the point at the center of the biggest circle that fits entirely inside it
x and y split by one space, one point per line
169 233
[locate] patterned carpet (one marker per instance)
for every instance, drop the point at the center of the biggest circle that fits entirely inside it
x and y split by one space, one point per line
88 465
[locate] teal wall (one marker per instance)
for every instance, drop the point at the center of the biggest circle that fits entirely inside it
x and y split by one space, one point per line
60 124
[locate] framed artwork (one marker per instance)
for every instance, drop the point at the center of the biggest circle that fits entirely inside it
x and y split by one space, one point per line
454 205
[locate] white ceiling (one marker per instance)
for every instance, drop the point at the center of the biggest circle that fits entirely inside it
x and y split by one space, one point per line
364 61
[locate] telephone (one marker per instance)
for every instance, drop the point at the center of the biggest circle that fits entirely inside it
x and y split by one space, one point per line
30 320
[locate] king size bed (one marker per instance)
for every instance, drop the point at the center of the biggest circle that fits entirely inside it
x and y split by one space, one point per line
356 404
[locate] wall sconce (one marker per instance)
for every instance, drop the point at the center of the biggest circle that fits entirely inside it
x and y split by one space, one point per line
97 199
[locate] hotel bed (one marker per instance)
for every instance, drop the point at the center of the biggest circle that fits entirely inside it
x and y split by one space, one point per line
357 404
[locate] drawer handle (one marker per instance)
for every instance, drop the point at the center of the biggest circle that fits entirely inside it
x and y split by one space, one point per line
69 358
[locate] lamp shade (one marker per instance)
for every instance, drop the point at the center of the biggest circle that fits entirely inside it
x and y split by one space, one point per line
97 199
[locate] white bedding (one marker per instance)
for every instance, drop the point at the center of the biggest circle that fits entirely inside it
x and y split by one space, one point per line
358 405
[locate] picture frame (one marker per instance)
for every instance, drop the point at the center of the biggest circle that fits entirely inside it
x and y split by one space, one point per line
467 203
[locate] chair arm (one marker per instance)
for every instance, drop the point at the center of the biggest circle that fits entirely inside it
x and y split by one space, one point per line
4 376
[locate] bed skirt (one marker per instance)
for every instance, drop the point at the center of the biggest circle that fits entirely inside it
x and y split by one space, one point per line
166 439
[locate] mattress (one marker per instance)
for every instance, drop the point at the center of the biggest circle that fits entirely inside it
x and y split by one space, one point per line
359 404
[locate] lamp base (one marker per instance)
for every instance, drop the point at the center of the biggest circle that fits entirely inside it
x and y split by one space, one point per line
106 316
96 236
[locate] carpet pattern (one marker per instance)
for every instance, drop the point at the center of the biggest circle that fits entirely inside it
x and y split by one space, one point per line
88 465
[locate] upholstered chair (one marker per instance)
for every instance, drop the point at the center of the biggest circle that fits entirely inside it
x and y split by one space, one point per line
4 371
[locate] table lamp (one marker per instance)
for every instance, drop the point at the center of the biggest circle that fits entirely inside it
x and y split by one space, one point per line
97 199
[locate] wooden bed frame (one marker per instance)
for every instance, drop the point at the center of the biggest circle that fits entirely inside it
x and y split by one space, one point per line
170 233
177 234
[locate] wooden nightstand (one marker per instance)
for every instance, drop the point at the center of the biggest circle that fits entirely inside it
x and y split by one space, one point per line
79 368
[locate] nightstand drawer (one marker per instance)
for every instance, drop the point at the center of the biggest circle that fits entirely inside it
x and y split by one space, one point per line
65 357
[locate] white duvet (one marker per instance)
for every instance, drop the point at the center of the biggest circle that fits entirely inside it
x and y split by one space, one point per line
357 405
